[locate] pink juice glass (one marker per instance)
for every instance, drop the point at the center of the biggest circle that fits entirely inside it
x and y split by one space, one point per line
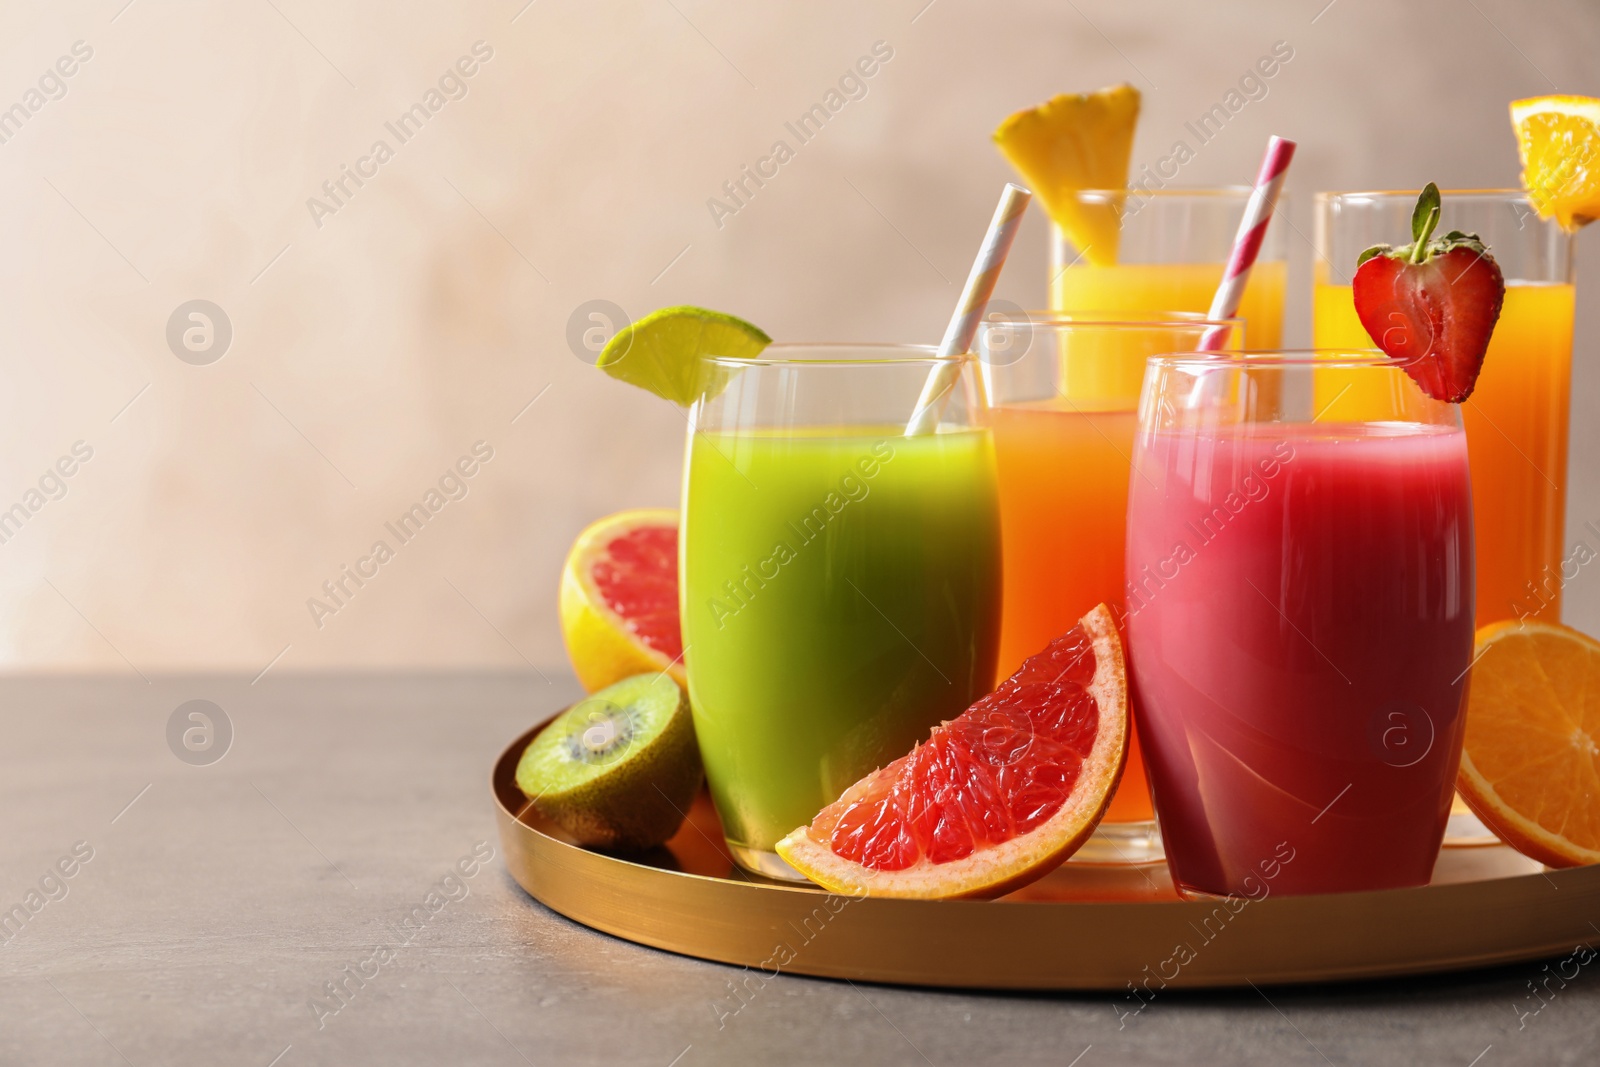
1300 618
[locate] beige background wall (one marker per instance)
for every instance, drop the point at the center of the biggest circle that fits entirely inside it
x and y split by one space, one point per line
371 351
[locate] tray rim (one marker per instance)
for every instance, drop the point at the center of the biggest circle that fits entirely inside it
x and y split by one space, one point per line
648 905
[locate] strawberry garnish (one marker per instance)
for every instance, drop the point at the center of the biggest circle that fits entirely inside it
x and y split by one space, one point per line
1432 303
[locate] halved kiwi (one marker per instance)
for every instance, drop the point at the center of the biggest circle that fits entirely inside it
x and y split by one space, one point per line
619 769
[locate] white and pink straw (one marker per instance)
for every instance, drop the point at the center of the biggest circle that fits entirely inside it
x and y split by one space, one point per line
1247 243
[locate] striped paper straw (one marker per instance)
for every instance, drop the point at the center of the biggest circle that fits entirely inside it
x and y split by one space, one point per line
1247 243
969 311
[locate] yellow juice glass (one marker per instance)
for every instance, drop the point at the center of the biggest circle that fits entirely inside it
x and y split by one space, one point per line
1064 393
1172 247
1517 416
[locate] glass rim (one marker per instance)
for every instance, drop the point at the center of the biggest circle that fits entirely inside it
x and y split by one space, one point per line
925 355
1410 195
1111 318
1319 358
1217 192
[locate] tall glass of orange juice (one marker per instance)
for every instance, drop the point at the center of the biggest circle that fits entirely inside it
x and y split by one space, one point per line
1064 392
1171 247
1517 416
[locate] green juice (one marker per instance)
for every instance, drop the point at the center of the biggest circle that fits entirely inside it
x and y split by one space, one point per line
841 596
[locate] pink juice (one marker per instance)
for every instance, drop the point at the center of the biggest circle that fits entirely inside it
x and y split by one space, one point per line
1300 604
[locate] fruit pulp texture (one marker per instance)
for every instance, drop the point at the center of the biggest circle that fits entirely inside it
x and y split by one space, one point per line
1063 525
638 579
1135 287
1300 630
1516 421
841 597
999 771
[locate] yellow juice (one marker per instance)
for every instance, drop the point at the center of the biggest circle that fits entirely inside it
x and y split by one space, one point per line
1189 287
1516 422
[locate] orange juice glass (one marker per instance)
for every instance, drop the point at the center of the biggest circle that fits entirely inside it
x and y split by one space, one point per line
1517 416
1064 393
1172 247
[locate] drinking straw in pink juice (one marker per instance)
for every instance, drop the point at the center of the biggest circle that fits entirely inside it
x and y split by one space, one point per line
1300 625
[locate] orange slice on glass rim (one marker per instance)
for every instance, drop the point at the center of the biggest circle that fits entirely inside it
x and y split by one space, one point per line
1558 138
996 797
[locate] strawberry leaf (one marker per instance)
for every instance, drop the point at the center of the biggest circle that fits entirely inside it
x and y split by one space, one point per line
1375 250
1426 214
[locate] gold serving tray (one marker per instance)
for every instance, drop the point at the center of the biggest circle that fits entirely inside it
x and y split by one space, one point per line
1081 927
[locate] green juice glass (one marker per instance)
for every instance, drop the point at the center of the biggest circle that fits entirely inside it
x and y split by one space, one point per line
840 580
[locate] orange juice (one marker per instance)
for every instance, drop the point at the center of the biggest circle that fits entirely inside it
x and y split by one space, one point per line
1063 476
1063 418
1516 424
1173 287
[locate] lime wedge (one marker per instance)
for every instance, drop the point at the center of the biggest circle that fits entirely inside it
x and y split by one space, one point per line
663 352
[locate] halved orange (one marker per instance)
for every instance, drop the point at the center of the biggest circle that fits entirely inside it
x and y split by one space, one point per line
996 797
1558 138
1069 143
619 599
1531 766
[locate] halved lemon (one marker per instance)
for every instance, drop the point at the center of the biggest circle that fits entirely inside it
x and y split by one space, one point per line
619 599
1530 768
1069 143
1558 138
995 798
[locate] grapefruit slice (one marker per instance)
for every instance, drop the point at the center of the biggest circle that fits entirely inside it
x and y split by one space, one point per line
1530 768
995 798
619 599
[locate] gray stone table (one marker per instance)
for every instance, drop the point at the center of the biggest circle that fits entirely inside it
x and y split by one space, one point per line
192 913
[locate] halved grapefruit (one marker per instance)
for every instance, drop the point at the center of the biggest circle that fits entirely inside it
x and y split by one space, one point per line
619 599
995 798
